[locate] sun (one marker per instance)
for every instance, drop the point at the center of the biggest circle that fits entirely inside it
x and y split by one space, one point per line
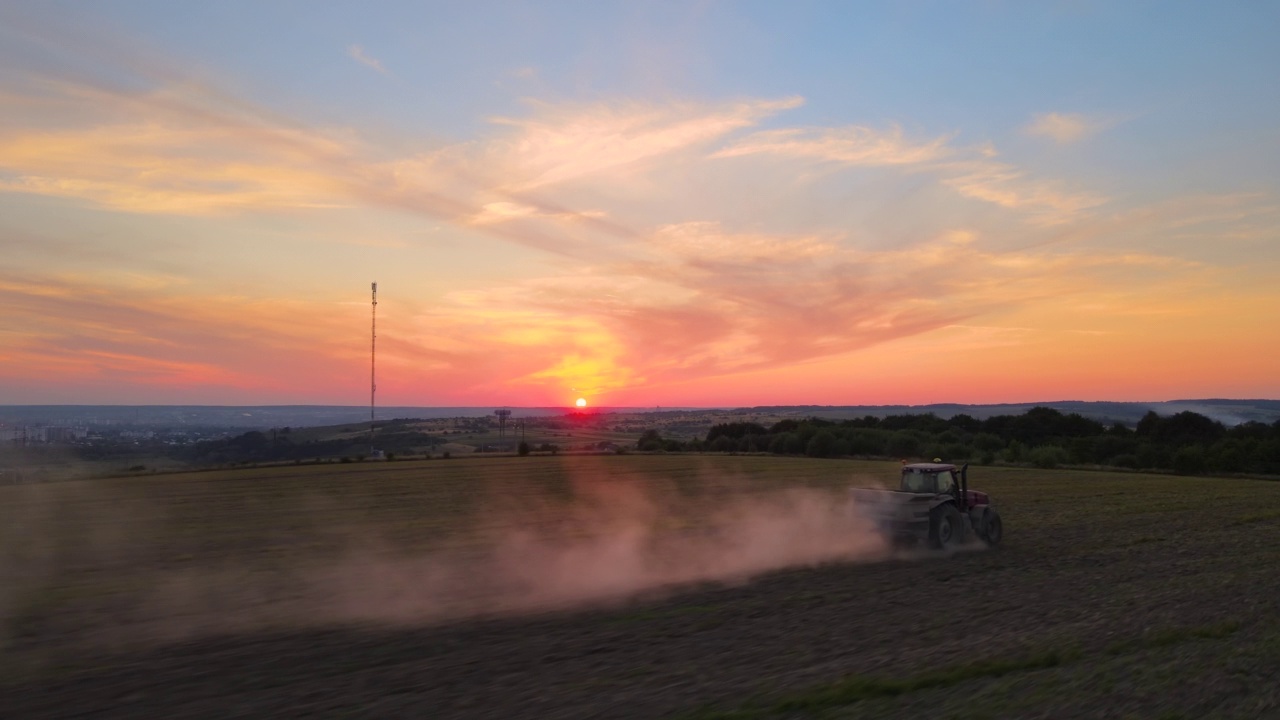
582 402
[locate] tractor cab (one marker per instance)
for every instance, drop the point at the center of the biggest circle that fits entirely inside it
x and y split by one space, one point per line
932 478
932 503
938 478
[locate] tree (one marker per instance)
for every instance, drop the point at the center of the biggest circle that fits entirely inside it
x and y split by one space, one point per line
778 446
987 442
735 430
867 442
820 444
1049 456
784 426
904 444
649 440
1149 425
1187 427
1189 460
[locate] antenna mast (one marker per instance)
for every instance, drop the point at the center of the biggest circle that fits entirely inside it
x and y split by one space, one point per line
373 365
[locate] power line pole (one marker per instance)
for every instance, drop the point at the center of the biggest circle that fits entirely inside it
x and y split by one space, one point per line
373 365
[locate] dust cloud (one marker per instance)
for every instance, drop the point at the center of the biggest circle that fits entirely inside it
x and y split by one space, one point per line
127 564
613 543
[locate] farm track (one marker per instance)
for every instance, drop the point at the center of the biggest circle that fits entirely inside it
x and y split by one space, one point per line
1114 596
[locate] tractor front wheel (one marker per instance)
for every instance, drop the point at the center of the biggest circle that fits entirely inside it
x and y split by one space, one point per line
992 528
945 527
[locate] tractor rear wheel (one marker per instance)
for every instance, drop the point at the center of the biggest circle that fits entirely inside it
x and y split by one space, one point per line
945 527
992 528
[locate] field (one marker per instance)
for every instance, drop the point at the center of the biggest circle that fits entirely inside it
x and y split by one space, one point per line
631 586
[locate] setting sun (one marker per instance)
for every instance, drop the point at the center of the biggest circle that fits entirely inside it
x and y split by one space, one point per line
582 402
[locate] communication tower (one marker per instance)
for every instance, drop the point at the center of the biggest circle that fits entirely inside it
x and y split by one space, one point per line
502 414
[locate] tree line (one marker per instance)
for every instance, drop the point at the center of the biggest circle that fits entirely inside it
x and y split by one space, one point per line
1186 443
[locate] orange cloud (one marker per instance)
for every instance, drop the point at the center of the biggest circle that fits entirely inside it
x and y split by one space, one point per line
562 143
849 146
1009 187
1063 128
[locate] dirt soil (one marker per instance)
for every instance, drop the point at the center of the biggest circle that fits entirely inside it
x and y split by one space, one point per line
1112 597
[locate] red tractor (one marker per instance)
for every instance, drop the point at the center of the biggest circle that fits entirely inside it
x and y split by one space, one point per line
933 504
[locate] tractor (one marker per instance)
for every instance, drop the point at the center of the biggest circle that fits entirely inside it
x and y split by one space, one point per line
933 504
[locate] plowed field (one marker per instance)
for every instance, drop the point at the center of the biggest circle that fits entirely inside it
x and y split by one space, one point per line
376 591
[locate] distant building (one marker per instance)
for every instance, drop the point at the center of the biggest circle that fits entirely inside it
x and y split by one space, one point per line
64 434
42 434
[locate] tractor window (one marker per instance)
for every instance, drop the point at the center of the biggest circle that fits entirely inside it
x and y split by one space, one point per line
916 481
946 482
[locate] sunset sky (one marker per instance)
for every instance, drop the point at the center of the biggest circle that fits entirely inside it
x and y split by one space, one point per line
639 203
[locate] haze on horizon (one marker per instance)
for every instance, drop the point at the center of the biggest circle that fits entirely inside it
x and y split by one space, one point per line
638 204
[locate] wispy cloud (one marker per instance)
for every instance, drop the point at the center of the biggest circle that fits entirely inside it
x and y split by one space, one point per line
848 145
707 241
1046 202
357 53
1063 128
972 172
560 143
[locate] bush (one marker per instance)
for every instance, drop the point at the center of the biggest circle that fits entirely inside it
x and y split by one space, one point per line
722 444
867 442
820 444
1153 456
935 451
904 444
446 455
1049 456
778 446
649 440
795 444
522 449
1189 461
987 442
734 431
1127 460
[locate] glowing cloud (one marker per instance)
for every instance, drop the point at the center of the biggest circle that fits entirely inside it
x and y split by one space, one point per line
849 146
1062 128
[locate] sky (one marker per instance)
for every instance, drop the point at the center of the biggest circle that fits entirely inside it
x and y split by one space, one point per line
638 204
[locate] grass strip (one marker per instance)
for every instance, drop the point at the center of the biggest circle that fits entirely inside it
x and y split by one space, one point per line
1173 636
1257 517
856 688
